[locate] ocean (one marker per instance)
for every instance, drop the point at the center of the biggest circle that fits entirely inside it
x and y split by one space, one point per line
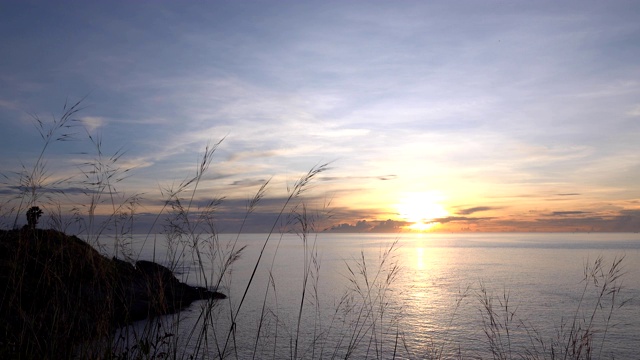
406 295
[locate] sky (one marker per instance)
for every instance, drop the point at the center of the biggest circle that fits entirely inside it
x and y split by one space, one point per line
430 115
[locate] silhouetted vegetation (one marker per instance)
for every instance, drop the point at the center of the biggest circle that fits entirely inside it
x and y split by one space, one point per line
61 297
33 216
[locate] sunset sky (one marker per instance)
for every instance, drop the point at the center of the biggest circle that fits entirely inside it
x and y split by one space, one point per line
442 115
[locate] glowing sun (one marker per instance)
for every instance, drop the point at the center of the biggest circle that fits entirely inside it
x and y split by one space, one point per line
421 209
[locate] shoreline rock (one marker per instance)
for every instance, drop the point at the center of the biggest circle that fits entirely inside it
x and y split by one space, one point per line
155 290
57 287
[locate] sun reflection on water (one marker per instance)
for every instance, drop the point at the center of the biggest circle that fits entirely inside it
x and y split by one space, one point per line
420 258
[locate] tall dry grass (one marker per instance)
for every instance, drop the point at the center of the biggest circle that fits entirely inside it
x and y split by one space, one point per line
365 322
582 335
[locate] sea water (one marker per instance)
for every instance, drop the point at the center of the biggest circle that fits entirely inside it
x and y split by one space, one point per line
406 295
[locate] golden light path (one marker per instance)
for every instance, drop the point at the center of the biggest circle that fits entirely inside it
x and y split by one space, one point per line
422 209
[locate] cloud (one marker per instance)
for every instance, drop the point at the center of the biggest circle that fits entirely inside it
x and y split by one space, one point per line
228 214
567 213
449 219
630 212
10 105
248 182
472 210
62 190
378 177
242 155
92 123
390 226
360 226
635 112
373 226
387 177
470 109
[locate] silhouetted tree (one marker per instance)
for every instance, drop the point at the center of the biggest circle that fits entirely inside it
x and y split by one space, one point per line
33 215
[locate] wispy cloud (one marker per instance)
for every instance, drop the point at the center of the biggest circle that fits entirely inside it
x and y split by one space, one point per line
635 112
567 213
464 219
476 209
8 105
529 106
92 123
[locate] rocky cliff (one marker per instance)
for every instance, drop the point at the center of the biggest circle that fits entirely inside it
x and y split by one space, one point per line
55 289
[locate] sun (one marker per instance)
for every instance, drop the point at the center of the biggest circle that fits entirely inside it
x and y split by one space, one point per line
421 209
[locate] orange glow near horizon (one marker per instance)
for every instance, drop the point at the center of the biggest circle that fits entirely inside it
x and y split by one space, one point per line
421 226
421 209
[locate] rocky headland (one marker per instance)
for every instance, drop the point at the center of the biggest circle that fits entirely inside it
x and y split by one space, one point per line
57 289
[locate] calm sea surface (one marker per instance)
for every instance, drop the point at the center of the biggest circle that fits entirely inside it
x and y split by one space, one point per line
412 295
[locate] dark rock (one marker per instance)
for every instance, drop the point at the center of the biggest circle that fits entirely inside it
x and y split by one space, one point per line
154 290
57 287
